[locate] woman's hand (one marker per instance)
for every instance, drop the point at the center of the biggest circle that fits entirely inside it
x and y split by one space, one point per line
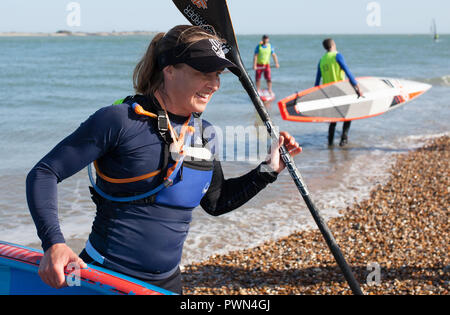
55 260
274 160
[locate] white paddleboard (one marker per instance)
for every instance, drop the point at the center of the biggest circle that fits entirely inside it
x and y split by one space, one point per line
338 101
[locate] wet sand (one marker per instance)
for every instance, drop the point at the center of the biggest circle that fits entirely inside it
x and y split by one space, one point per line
403 227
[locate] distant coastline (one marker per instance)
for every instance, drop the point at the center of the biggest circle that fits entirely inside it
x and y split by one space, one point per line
64 33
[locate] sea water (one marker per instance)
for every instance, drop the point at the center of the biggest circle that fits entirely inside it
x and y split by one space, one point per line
49 85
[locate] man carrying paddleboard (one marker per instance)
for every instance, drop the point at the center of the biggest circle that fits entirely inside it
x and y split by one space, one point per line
154 160
332 68
261 63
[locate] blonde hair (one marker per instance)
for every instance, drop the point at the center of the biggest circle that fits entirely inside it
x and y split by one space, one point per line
147 77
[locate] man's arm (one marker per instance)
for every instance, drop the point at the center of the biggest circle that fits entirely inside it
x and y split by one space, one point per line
340 60
318 76
275 59
255 62
255 58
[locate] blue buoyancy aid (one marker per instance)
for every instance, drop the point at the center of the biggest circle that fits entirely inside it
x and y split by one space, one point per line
183 187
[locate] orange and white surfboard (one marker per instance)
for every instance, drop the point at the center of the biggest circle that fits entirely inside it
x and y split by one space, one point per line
338 101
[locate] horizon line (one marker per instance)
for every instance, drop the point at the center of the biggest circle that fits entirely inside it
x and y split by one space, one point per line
243 34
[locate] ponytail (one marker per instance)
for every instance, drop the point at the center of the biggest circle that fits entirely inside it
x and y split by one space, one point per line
146 77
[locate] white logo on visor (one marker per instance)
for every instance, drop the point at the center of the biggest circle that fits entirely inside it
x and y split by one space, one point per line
217 48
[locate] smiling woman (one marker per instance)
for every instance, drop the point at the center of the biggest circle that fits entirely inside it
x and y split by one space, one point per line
148 181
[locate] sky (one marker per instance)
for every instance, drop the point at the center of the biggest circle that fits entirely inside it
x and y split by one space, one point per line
249 16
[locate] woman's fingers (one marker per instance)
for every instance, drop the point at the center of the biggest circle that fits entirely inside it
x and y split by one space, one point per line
295 151
292 146
59 277
53 264
289 142
280 141
82 264
53 276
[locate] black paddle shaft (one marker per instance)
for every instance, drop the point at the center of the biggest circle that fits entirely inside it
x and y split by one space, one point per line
296 176
215 13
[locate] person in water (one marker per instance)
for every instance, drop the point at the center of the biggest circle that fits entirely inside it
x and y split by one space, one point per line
152 170
261 63
332 68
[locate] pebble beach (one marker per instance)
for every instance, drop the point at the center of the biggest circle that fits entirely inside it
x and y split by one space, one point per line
403 227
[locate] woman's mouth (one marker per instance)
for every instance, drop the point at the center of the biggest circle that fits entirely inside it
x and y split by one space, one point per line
203 96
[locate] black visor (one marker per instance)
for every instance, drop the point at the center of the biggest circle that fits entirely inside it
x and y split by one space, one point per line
206 56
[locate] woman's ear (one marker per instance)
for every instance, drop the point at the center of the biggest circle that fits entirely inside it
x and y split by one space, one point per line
168 72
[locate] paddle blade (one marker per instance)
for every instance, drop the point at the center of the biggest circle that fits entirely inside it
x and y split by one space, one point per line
213 13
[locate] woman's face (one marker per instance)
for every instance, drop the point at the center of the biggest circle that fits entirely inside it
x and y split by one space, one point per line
189 90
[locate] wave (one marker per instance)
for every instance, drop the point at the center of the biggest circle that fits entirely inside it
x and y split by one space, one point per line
439 81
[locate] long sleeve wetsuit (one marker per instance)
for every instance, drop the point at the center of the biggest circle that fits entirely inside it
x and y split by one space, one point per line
139 240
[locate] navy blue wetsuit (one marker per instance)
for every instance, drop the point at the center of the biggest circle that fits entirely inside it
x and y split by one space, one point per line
146 240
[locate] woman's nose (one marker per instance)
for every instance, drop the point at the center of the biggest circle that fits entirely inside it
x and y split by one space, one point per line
214 82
